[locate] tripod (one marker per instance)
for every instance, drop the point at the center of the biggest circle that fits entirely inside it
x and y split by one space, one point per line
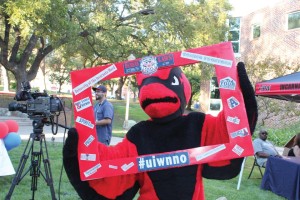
37 156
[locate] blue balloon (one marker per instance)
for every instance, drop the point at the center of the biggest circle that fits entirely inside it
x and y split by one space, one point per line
12 140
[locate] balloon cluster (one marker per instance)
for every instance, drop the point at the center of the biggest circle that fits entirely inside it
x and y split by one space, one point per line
9 134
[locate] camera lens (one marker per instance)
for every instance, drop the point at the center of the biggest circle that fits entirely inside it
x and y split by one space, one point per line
13 106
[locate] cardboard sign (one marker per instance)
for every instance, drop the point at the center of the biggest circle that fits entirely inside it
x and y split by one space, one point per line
220 55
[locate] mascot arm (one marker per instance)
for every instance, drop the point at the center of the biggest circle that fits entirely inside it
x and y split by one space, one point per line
217 134
248 95
124 187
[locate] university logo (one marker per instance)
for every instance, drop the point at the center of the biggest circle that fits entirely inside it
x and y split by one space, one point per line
227 83
232 102
148 65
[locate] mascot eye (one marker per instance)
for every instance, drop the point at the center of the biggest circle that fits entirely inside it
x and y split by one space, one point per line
175 81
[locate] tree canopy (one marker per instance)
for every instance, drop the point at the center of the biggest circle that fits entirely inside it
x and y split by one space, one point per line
100 32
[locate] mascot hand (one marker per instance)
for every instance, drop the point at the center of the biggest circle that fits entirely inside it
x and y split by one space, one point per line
70 160
248 95
70 148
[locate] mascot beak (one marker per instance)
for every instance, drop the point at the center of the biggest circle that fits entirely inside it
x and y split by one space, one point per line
163 95
158 101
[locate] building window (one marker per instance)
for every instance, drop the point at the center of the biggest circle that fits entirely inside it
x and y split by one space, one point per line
234 33
214 88
294 20
215 102
255 31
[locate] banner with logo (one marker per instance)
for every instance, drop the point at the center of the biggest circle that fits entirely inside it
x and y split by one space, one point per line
220 55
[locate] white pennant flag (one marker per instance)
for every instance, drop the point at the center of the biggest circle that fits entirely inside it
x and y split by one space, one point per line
6 167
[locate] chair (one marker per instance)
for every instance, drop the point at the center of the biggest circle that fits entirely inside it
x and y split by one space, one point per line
256 165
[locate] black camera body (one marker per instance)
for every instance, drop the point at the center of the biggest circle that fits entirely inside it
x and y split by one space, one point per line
37 104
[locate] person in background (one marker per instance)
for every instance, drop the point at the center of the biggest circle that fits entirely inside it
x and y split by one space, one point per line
263 148
104 115
295 150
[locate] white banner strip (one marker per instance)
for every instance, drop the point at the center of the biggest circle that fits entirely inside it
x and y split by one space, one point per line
210 152
95 79
206 59
84 122
92 171
88 157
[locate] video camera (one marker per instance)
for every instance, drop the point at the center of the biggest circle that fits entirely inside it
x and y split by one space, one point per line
38 104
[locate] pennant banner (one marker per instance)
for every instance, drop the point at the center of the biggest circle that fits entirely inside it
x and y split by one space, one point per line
220 55
6 167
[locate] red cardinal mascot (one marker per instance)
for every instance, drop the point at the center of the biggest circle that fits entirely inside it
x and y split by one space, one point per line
163 96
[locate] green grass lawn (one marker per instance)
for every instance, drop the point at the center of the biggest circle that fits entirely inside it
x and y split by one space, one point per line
249 189
135 113
23 189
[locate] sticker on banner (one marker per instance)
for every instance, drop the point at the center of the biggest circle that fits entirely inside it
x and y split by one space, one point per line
232 102
210 152
227 83
132 66
234 120
84 122
88 157
148 65
89 140
95 79
206 59
82 104
163 161
112 167
240 133
158 61
125 167
238 150
92 171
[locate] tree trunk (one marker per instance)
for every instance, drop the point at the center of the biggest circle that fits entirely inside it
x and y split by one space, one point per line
59 88
118 92
189 104
21 77
4 75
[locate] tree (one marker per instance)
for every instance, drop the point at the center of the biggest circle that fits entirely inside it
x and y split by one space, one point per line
31 30
193 76
121 28
61 64
103 32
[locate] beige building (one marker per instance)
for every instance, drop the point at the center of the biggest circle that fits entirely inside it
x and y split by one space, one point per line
272 29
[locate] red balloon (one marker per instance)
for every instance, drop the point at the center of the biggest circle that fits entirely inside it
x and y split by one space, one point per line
3 130
13 126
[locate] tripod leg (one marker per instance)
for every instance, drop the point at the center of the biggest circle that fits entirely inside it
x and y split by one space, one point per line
47 167
35 167
18 177
35 172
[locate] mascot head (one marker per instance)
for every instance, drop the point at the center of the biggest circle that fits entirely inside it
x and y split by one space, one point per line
164 94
